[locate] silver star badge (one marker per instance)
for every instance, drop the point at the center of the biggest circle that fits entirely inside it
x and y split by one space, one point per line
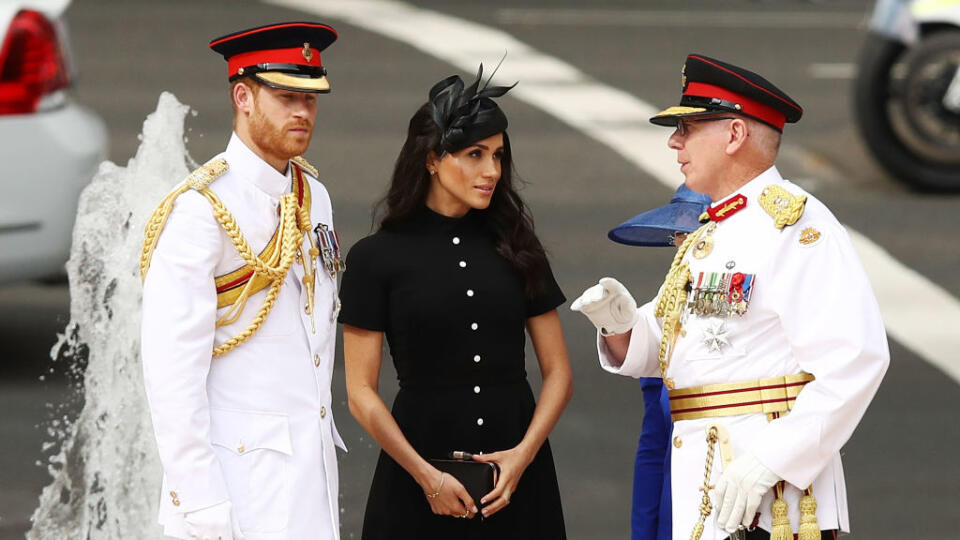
715 336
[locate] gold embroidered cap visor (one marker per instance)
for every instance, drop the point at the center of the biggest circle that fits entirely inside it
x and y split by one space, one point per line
668 117
294 82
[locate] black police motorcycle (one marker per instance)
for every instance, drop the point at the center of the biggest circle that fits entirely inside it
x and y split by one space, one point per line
907 92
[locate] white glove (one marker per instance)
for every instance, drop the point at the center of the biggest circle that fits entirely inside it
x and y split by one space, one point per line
739 491
217 522
609 307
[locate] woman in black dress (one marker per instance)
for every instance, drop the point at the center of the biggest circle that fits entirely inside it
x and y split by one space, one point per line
453 277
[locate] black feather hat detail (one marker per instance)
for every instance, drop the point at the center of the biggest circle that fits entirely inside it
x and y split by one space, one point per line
466 114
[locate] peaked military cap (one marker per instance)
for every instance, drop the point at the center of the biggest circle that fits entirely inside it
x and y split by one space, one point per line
282 55
656 227
710 86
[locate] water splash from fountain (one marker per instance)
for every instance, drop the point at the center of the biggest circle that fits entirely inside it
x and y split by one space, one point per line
106 477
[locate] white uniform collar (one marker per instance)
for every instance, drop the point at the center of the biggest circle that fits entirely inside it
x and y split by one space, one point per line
752 189
251 167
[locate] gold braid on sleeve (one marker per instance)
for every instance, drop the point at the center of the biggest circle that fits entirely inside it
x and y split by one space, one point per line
671 302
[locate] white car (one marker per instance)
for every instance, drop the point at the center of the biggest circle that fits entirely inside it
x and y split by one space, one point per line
50 147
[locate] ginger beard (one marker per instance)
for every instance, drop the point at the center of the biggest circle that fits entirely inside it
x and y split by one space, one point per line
279 140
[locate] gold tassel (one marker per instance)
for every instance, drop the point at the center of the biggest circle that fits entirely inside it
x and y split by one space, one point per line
781 521
809 528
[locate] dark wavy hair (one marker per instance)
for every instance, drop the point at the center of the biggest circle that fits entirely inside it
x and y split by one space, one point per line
507 217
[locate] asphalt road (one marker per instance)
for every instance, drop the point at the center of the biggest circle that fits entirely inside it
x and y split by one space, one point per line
902 473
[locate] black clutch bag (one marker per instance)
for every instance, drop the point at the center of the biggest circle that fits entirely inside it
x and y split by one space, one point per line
477 477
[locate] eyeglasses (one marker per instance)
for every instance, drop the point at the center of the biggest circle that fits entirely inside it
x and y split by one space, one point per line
682 128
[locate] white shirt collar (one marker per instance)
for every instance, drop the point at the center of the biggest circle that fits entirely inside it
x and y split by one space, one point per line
251 167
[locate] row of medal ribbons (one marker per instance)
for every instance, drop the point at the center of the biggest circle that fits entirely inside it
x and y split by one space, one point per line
717 294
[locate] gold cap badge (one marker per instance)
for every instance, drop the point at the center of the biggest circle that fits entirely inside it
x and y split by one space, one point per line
307 52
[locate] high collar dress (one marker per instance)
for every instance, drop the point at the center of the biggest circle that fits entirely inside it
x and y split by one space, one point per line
453 311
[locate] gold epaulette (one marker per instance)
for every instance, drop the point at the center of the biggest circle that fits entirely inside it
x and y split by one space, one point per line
784 207
306 165
208 172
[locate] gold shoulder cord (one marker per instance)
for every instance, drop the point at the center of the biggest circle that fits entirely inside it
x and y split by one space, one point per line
294 222
671 302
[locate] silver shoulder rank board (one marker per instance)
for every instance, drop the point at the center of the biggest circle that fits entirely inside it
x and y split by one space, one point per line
717 294
329 243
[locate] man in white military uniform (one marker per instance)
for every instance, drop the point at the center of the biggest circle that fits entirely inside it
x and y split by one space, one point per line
766 330
240 267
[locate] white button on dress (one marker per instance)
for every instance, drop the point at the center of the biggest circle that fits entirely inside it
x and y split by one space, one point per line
479 421
474 326
469 292
476 358
476 389
456 240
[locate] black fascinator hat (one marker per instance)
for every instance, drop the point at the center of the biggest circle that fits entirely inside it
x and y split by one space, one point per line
466 114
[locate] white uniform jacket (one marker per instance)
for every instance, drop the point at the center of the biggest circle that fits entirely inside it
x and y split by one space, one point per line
811 310
253 426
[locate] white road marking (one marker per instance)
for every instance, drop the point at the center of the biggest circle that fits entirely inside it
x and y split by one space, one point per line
681 18
917 312
840 70
908 300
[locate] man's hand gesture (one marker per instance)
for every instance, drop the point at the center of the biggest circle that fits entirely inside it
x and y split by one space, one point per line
609 306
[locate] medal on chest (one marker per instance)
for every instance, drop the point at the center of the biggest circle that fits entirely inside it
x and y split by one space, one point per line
721 294
704 244
329 243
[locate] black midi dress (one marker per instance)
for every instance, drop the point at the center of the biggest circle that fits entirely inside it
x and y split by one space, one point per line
453 311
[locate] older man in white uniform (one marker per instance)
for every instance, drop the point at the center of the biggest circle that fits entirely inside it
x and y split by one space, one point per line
766 330
240 267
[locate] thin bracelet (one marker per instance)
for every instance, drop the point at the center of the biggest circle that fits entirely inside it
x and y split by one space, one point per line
437 492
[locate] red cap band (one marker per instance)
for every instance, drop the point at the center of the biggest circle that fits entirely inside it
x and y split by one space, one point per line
298 55
748 106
